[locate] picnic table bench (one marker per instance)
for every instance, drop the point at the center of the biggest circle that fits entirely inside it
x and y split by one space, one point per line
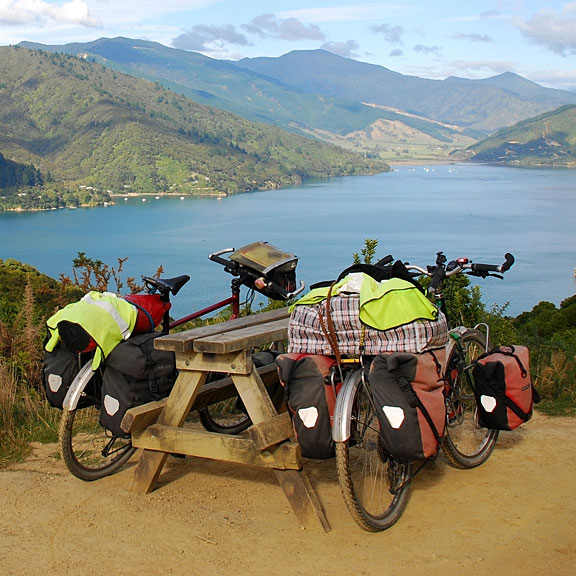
157 428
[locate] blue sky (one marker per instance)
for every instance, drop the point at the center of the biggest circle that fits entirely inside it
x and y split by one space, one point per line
474 39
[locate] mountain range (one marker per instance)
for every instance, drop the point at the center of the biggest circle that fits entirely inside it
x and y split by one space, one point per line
130 115
317 93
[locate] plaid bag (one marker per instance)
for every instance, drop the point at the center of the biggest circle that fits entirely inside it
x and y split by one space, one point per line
306 335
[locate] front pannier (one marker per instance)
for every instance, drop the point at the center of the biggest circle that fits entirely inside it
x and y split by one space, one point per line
408 392
135 373
503 387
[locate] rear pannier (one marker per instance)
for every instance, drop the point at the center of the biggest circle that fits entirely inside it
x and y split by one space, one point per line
136 373
310 396
59 369
408 392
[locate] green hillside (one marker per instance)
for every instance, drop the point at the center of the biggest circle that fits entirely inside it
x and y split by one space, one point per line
85 124
347 122
547 140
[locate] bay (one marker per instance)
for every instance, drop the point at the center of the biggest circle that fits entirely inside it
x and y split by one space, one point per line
475 211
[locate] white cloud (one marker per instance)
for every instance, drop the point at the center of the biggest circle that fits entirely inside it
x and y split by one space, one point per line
41 13
555 31
347 49
291 29
479 68
202 38
392 34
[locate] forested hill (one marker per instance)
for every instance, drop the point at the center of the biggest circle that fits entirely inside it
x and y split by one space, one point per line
13 174
88 125
547 140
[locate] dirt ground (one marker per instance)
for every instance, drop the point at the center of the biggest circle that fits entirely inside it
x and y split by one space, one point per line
516 514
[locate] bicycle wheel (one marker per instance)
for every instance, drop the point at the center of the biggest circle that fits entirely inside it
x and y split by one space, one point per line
224 417
89 451
466 443
374 485
227 416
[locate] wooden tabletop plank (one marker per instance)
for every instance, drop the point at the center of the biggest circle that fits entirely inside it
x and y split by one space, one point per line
245 338
184 341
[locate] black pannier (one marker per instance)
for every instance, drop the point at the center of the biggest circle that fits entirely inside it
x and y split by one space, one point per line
135 373
311 398
59 368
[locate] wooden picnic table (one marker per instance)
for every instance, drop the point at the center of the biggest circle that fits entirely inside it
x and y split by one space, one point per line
157 428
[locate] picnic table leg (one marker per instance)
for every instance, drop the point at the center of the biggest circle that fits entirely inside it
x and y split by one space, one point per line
294 483
175 412
303 499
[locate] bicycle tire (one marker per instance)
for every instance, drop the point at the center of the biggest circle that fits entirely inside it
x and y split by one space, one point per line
375 486
229 416
466 444
88 450
224 417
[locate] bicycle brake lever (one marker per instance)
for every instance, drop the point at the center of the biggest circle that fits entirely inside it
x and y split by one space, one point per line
298 290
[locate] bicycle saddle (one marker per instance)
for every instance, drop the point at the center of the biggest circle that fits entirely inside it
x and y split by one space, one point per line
167 284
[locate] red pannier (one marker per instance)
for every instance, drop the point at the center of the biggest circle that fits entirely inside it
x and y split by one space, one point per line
503 387
408 392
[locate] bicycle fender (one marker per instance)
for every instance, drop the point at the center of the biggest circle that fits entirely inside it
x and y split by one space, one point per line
77 387
343 410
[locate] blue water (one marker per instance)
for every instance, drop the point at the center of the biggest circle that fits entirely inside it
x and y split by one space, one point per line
476 211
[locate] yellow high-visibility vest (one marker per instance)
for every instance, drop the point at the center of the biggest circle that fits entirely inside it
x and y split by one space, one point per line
107 318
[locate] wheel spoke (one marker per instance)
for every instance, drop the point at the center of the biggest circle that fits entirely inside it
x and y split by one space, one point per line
89 451
374 485
466 444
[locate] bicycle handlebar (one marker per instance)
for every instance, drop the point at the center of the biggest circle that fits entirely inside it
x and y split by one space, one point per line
440 271
229 265
484 270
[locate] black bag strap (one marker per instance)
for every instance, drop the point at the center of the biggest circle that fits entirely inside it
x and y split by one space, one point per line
506 351
535 395
406 387
516 409
150 370
413 399
146 313
415 402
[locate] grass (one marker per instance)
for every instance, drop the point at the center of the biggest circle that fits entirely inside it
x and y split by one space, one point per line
554 375
25 417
